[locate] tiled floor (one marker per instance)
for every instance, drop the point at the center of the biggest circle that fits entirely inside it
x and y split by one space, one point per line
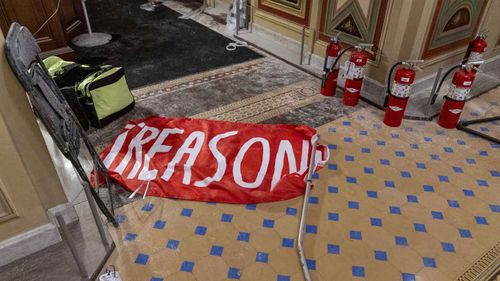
412 203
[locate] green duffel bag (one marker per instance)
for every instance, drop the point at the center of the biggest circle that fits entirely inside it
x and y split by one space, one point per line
105 95
102 91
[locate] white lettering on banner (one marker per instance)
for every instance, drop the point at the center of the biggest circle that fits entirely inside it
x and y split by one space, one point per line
263 167
304 157
117 146
221 160
285 148
136 145
198 137
158 146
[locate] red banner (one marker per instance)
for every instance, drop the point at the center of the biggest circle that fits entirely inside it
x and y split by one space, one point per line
212 161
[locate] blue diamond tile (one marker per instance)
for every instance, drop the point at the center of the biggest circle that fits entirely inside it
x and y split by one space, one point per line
470 161
461 142
443 179
435 157
226 218
291 211
464 233
365 150
346 139
159 224
142 259
495 208
482 183
483 153
395 136
468 192
332 167
401 241
251 207
332 130
412 198
453 204
380 142
419 227
458 170
484 129
395 210
283 278
481 220
448 247
216 250
385 162
200 230
353 205
421 166
172 244
349 158
262 257
315 176
376 221
130 236
407 277
332 147
313 229
400 154
313 200
428 188
389 184
355 235
346 123
333 249
363 133
351 179
268 223
405 174
414 146
120 219
427 139
287 243
371 194
186 212
495 173
437 215
429 262
381 255
156 279
448 149
358 271
243 236
333 189
368 170
311 264
233 273
333 216
148 207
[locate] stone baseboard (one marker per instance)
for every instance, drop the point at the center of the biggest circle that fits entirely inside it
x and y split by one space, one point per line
67 210
28 243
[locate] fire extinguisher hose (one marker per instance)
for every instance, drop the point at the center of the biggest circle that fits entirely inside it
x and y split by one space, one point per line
336 61
442 81
388 90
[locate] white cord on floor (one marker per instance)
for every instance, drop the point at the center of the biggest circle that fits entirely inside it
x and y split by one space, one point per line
47 21
233 45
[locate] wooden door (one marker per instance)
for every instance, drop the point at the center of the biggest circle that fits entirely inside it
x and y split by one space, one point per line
56 35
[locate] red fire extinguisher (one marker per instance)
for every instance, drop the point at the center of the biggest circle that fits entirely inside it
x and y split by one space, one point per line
458 93
398 95
330 69
354 74
476 49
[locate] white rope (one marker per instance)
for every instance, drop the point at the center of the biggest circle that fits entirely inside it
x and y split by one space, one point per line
47 21
233 45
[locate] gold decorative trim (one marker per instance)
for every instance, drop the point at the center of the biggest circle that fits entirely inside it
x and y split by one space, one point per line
485 268
198 78
267 105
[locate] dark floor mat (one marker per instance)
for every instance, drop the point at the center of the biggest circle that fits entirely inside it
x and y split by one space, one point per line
156 46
